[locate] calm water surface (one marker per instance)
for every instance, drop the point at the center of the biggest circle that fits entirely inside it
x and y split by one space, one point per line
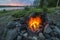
11 8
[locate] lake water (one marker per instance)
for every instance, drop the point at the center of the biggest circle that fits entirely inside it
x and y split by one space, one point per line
11 8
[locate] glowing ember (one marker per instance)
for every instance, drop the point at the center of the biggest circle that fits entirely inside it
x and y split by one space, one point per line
33 23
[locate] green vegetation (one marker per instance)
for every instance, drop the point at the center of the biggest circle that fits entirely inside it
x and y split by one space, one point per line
25 12
46 3
22 13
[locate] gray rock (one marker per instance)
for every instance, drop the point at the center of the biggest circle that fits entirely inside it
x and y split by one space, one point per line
52 34
11 24
30 38
22 20
52 27
41 36
34 38
2 38
25 35
47 36
11 34
22 32
54 38
57 12
18 24
56 32
47 29
19 38
56 29
47 39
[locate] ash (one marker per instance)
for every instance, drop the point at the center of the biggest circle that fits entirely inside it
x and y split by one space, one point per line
17 31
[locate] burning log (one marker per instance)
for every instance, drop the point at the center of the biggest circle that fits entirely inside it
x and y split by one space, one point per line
36 22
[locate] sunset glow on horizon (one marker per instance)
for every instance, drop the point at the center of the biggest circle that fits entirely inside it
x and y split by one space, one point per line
16 2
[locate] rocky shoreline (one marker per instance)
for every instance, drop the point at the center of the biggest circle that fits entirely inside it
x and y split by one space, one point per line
16 30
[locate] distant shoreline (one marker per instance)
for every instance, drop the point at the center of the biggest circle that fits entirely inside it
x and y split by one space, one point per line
11 8
15 6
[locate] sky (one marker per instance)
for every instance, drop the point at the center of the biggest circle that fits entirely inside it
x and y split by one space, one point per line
16 2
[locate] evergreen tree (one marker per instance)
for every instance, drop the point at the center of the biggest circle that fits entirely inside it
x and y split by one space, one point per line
48 3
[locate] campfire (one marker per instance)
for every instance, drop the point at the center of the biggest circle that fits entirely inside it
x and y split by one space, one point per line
35 22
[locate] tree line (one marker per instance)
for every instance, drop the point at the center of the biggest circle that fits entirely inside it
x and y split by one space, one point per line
46 3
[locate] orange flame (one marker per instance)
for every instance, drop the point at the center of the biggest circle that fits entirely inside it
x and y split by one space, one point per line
34 23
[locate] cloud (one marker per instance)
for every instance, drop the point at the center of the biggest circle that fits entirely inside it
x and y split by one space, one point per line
26 1
16 2
5 1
